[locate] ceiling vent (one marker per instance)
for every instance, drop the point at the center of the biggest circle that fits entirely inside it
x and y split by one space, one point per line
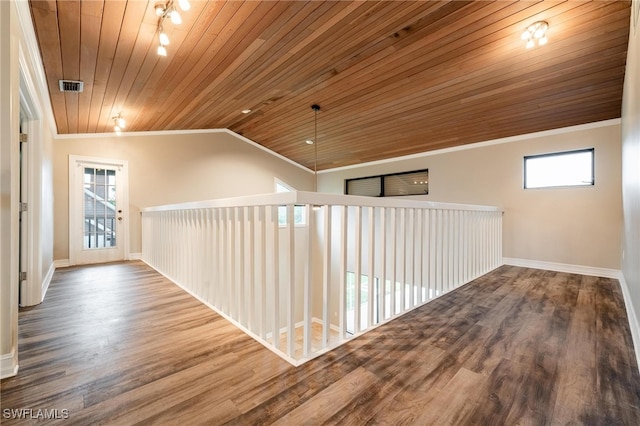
71 86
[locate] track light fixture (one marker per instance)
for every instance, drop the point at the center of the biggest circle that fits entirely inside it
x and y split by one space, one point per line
118 124
164 11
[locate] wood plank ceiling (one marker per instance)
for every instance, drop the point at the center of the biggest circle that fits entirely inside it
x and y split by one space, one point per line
391 78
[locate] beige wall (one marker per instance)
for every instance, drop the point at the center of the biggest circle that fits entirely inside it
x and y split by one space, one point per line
172 168
576 226
631 173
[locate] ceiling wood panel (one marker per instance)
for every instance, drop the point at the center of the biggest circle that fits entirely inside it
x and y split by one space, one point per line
392 78
90 23
113 13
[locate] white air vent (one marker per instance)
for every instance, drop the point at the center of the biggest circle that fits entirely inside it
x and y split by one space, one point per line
71 86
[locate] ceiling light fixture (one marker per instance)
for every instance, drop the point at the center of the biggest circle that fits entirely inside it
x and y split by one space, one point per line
315 108
175 17
536 32
246 111
163 37
118 124
164 11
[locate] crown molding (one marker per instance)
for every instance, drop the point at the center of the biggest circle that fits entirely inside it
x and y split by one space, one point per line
111 135
510 139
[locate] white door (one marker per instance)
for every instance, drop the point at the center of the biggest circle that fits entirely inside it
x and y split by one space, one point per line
98 219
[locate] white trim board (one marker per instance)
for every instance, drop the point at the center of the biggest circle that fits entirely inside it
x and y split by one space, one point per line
33 54
8 365
517 138
562 267
634 324
61 263
47 281
183 132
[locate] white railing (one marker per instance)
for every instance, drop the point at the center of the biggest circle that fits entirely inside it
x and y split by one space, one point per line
284 267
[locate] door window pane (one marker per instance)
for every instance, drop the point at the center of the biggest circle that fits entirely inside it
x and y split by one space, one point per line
99 208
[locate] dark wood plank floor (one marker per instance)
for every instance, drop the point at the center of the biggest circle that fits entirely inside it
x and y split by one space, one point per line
119 344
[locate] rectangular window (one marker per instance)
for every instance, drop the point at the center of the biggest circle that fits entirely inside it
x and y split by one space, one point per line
390 185
571 168
370 187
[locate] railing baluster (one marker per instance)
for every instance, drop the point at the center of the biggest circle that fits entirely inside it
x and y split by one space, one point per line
417 258
344 216
382 286
403 258
291 299
410 257
275 336
239 267
326 277
394 262
262 277
358 270
445 251
372 260
425 255
308 280
250 280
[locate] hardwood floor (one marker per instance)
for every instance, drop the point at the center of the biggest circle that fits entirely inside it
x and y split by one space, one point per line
119 344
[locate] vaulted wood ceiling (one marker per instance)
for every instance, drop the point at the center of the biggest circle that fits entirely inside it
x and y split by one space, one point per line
392 78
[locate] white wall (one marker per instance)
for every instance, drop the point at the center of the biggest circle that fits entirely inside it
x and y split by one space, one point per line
575 226
21 76
631 176
170 169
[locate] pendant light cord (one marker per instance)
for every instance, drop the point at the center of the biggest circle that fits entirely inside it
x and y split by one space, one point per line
315 108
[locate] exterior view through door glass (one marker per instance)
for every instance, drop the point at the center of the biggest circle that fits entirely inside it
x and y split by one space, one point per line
100 209
97 200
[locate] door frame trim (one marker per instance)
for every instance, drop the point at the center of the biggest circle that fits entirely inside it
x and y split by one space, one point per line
73 200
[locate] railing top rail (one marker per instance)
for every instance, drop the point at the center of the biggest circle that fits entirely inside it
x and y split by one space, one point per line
316 198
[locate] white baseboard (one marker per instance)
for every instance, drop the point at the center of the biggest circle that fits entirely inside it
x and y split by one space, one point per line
47 281
333 327
61 263
135 256
8 365
634 325
301 324
563 267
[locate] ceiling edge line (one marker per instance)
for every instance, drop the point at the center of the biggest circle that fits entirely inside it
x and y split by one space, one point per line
182 132
264 148
509 139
